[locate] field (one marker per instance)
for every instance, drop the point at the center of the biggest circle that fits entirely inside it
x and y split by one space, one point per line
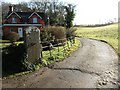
106 33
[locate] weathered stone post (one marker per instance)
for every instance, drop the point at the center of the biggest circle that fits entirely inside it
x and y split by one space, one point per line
32 44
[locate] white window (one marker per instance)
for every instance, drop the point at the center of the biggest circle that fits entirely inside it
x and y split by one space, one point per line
34 20
20 32
14 20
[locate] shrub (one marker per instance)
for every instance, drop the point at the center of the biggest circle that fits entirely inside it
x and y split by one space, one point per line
45 36
70 32
51 34
13 37
13 57
58 32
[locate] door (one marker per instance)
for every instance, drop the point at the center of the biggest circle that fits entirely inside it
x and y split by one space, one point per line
20 32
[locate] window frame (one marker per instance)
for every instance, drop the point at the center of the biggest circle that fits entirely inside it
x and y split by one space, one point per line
35 20
14 20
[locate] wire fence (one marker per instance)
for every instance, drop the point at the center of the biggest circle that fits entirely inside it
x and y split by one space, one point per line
58 48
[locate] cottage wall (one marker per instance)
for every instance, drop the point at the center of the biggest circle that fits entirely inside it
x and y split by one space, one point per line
9 26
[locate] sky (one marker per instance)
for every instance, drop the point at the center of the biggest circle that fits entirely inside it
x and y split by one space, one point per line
90 11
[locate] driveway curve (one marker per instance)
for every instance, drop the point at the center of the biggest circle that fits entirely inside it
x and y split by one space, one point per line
93 65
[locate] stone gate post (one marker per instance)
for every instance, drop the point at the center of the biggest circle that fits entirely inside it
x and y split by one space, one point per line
32 44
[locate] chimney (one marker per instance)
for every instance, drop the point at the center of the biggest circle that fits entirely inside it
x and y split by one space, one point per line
10 8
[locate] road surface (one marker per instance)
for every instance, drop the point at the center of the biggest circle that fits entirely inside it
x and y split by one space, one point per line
93 65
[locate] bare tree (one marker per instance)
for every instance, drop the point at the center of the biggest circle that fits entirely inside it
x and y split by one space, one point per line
22 6
5 9
54 10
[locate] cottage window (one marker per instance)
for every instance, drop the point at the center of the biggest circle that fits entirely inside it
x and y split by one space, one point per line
34 20
14 20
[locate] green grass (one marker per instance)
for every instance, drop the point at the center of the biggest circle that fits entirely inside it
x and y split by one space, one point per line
62 54
107 33
6 43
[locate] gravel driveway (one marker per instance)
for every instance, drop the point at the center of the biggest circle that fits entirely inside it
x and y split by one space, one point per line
93 65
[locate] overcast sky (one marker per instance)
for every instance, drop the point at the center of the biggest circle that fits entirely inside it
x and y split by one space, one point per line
90 11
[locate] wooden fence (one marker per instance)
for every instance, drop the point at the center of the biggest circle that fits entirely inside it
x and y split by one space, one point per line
56 47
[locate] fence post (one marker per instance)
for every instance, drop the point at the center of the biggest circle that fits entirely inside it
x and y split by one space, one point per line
50 50
74 40
71 41
68 44
63 49
58 46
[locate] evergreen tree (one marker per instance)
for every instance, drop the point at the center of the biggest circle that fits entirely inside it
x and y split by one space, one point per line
70 14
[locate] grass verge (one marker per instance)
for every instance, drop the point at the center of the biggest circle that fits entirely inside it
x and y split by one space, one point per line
62 54
6 43
57 56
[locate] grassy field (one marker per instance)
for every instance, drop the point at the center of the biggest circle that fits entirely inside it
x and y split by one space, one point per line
106 33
